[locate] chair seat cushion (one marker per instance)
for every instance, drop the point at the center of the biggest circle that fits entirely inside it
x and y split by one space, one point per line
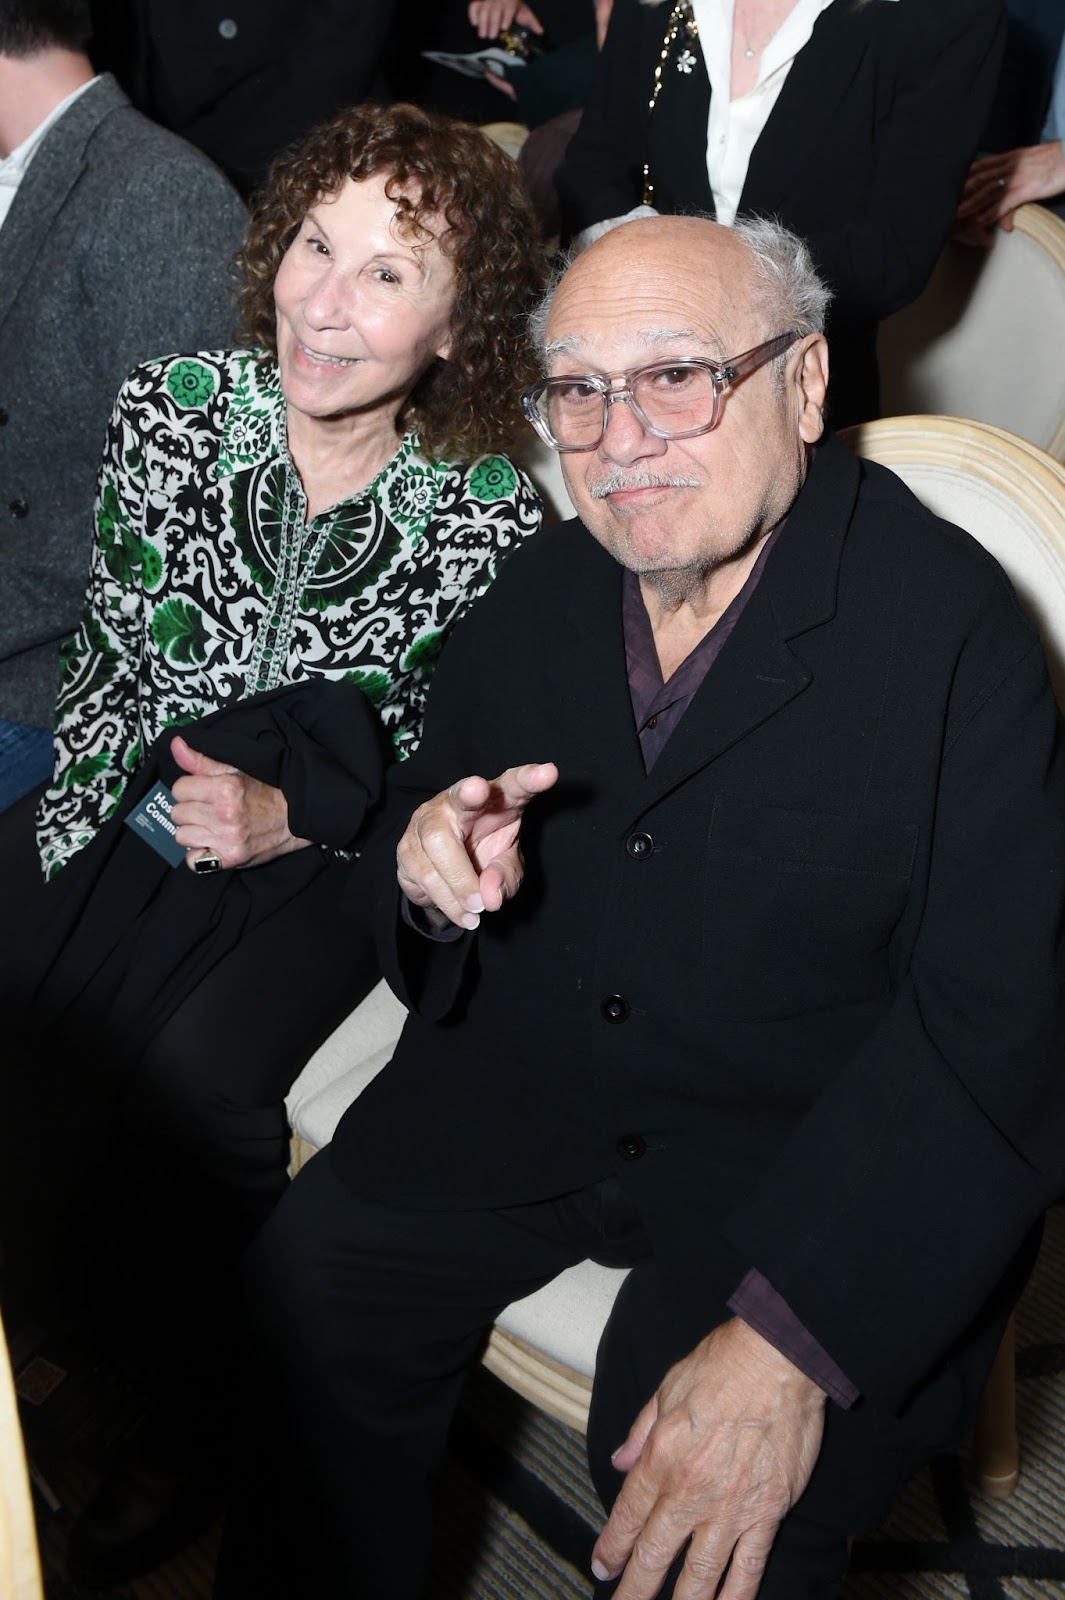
566 1318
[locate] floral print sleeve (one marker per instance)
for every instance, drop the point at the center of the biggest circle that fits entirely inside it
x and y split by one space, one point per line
97 734
481 512
211 581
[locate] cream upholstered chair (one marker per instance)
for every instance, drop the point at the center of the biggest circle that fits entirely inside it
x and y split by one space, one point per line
509 136
984 339
1011 496
1003 490
20 1571
543 1346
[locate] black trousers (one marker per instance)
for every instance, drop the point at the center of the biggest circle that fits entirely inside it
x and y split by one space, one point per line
362 1319
136 1184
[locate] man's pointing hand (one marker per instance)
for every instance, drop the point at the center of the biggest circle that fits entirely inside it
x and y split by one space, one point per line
460 854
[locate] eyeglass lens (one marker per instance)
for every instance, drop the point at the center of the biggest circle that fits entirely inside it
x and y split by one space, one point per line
673 399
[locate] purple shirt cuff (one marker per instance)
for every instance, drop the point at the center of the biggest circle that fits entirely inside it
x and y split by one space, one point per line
758 1304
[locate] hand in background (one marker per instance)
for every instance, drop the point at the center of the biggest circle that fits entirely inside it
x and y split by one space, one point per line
490 17
219 808
460 853
720 1454
998 184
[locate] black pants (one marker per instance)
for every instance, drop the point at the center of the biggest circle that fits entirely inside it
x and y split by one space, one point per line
136 1184
361 1322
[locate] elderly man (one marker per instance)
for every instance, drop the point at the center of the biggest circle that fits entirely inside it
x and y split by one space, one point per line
730 929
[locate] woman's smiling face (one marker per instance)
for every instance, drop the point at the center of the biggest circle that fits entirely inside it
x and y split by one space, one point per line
363 307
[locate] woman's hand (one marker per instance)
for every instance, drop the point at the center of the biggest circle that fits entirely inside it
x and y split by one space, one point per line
490 17
998 184
218 808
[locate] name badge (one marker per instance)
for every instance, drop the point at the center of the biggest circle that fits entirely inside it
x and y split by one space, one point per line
152 822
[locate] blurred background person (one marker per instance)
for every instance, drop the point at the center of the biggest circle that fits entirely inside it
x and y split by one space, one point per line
243 78
285 535
1034 30
115 245
547 93
852 121
997 184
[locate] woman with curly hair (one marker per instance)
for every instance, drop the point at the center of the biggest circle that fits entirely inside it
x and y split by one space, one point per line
285 535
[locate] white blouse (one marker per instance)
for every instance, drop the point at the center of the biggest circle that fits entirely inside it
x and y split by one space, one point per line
734 126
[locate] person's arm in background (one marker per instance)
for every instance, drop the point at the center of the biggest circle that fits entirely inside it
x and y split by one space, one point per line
97 736
998 184
160 260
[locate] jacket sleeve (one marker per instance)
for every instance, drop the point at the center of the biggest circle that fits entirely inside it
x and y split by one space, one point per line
888 1220
97 734
945 75
427 975
177 291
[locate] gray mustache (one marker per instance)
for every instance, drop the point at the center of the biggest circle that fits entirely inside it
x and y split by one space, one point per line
639 480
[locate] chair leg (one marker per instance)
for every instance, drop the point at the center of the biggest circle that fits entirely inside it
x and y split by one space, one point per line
996 1450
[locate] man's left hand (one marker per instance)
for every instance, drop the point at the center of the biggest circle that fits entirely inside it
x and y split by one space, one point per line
720 1454
219 808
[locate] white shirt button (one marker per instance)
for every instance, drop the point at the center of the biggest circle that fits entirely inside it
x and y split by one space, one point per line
227 28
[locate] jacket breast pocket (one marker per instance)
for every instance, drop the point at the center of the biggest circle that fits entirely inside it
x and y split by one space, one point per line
799 907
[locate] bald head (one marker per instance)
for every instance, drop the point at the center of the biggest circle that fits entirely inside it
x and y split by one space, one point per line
757 271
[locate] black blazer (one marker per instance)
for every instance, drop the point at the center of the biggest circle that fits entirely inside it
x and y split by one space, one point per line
242 79
799 988
863 155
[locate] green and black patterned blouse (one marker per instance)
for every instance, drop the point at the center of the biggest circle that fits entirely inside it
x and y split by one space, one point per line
209 584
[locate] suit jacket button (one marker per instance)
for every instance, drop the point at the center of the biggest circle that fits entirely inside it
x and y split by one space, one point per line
228 28
631 1146
19 508
614 1008
639 846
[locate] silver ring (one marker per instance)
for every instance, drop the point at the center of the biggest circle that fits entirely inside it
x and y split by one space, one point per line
209 861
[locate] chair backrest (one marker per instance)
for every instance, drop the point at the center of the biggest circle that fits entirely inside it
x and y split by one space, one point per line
985 338
20 1571
509 136
1001 489
544 467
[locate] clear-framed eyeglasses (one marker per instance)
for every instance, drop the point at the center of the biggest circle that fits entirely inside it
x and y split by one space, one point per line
672 399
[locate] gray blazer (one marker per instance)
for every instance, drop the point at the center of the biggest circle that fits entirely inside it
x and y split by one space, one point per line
115 250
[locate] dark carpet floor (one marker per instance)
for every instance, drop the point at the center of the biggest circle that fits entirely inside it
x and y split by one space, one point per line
518 1516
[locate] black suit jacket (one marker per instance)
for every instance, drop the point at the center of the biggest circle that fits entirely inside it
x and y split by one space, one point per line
242 79
799 988
863 155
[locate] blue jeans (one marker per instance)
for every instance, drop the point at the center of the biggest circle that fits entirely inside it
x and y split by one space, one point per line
26 758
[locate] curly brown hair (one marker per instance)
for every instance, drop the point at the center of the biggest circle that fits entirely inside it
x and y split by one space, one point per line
436 167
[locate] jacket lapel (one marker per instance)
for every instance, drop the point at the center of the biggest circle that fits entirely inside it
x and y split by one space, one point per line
821 75
50 176
757 673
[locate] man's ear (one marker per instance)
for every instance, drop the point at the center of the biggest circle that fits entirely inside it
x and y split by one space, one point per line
810 378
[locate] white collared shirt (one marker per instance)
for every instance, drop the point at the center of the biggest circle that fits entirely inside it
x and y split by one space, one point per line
734 126
13 167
